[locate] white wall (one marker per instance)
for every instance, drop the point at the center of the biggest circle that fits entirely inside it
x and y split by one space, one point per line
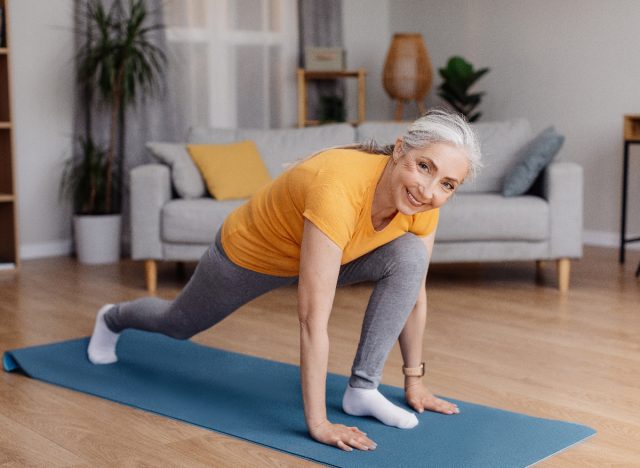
42 53
571 63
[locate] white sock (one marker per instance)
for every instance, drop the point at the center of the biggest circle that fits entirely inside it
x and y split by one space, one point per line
102 346
370 402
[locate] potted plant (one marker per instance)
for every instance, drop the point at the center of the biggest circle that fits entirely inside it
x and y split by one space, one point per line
116 59
84 182
458 77
332 109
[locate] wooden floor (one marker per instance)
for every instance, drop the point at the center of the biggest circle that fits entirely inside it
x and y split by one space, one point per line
495 336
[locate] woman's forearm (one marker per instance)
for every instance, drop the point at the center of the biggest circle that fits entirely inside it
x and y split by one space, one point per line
319 269
412 335
314 354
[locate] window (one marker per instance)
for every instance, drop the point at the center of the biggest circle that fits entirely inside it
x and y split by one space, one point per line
233 61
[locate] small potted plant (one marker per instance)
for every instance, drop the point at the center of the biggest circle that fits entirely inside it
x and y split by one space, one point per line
117 60
84 182
458 77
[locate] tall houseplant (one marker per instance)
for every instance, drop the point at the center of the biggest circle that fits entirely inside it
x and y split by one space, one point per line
458 77
117 63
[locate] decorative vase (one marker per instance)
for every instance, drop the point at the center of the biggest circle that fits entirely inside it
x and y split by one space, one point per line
97 238
407 74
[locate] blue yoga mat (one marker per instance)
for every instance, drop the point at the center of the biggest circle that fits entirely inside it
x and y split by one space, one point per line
259 400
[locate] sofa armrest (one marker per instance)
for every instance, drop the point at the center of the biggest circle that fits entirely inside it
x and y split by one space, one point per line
563 189
150 190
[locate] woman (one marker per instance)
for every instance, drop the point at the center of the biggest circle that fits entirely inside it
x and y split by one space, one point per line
342 216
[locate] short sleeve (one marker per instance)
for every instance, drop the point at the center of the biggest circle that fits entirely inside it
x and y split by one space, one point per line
329 208
425 223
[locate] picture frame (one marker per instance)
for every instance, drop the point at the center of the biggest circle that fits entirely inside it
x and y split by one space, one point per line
324 58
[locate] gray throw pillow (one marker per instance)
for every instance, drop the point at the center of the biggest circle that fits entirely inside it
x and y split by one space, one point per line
185 176
532 159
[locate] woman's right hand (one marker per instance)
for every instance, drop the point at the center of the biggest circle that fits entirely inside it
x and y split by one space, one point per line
344 437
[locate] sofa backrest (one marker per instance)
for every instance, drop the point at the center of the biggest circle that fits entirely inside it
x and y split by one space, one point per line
384 133
499 143
280 147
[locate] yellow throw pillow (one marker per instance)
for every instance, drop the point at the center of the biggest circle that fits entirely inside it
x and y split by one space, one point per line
233 170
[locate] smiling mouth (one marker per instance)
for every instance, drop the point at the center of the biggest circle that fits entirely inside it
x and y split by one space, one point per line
413 200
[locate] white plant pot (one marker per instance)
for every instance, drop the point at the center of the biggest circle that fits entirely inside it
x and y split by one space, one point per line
97 238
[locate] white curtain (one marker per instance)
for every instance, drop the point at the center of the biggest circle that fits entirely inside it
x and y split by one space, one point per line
232 62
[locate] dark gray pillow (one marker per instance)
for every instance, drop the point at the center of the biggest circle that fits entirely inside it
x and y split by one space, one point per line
532 159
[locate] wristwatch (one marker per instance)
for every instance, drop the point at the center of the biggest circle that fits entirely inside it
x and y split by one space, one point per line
413 371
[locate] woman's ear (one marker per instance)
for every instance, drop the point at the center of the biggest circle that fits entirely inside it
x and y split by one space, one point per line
397 150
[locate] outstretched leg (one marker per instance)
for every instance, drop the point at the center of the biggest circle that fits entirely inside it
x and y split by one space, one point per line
397 268
217 288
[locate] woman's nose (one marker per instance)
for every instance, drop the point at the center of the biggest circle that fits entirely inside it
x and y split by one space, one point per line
426 193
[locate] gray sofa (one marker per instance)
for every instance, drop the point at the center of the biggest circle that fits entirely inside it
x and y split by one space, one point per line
173 220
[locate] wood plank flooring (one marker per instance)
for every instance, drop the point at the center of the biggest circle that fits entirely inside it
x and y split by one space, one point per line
496 335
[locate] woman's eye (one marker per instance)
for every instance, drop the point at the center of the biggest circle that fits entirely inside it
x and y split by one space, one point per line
448 186
423 166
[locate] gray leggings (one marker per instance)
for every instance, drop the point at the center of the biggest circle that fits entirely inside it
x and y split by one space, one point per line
218 287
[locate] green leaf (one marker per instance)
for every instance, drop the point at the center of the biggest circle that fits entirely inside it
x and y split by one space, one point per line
477 75
460 67
458 76
449 97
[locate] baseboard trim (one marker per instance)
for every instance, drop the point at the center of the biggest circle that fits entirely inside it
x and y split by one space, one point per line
46 249
607 239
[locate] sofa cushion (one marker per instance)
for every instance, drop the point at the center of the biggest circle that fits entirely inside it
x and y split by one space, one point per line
466 217
280 147
532 159
194 221
492 217
185 177
231 170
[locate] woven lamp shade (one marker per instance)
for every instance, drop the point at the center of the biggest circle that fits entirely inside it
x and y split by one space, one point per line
407 69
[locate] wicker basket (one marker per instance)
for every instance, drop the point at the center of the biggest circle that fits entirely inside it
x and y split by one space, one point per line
407 69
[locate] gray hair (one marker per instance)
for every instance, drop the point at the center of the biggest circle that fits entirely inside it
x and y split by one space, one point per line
436 126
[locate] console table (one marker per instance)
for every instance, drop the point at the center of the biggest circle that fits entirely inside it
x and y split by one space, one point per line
631 137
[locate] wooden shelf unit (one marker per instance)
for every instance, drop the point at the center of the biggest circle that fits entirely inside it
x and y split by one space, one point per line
9 256
306 75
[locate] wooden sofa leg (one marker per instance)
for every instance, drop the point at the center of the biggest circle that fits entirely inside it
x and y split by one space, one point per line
151 275
564 269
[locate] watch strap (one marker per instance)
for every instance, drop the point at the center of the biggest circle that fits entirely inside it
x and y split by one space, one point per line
413 371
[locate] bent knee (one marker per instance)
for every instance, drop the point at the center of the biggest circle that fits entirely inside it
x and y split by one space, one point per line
408 253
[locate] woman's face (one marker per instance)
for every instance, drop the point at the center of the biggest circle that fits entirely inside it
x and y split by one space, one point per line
424 179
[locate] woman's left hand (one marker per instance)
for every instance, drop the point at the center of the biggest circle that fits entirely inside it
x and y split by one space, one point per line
420 399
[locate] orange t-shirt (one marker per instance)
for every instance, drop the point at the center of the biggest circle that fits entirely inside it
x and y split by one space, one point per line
334 190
